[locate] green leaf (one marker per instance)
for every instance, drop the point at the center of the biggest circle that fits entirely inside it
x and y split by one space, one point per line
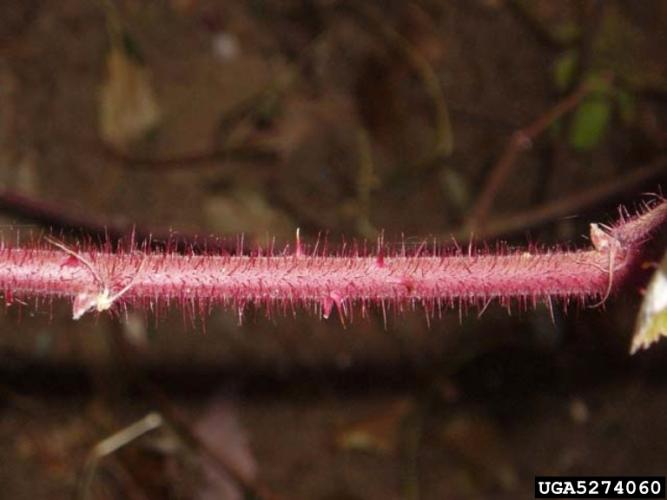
590 123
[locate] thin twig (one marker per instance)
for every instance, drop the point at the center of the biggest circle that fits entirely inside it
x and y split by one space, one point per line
541 34
570 204
59 217
520 141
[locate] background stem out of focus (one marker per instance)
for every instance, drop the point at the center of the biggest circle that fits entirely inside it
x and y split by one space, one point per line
513 119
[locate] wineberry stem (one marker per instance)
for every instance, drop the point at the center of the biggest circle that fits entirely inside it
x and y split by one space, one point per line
436 280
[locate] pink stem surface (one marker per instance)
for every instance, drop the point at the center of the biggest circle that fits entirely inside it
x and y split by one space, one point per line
98 280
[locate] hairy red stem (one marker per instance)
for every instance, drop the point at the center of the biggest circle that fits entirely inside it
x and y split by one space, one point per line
97 280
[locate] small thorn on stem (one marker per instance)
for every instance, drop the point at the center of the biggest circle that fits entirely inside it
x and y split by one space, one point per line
328 303
379 260
298 250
